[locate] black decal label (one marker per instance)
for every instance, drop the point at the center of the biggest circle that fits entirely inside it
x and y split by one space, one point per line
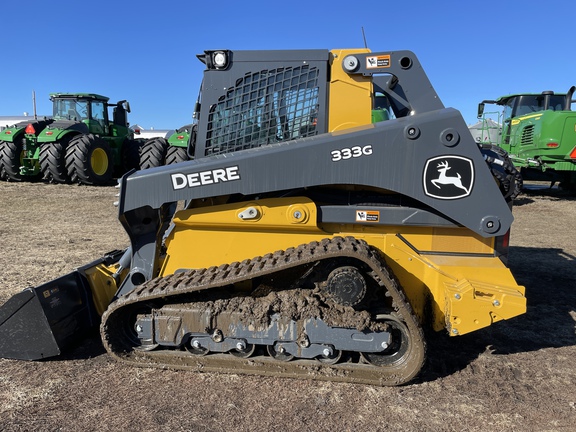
448 177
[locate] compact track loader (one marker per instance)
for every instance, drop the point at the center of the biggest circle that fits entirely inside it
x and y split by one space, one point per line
333 208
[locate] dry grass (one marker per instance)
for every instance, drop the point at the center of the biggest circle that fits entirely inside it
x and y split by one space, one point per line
514 376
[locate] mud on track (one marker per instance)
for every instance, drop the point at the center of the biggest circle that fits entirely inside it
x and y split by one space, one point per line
518 375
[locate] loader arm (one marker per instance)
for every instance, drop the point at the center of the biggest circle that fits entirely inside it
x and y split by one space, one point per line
399 156
399 160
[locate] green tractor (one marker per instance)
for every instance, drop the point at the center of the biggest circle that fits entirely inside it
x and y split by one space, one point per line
161 151
539 133
81 143
17 161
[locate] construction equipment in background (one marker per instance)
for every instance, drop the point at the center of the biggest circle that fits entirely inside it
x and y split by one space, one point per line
333 209
160 151
81 143
538 131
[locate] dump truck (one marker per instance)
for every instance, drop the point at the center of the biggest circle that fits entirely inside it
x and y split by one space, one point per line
332 212
80 143
160 151
538 132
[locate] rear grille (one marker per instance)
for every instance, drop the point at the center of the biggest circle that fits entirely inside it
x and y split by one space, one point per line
263 108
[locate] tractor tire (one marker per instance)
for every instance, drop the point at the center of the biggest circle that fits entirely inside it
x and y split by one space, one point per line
176 155
509 179
130 154
153 153
89 160
2 172
10 160
53 162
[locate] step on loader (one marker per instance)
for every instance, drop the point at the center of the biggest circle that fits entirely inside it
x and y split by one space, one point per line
332 209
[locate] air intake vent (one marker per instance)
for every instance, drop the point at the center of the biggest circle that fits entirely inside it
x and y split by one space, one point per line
527 135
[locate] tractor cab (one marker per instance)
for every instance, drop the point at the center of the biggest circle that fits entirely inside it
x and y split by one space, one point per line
87 108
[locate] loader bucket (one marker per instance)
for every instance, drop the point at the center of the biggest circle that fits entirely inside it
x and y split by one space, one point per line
41 322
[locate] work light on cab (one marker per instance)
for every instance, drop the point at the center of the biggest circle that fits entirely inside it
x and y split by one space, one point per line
220 59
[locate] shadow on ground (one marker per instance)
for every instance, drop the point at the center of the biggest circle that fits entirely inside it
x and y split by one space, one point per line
549 276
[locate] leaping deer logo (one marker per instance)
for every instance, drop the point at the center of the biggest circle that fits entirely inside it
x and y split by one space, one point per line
443 179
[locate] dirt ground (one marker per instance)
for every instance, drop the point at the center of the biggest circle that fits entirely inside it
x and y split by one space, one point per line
518 375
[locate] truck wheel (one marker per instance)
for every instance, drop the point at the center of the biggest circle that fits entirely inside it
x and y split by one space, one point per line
53 162
153 153
10 160
89 160
176 155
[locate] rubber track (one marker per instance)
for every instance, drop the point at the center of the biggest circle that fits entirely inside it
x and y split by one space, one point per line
115 342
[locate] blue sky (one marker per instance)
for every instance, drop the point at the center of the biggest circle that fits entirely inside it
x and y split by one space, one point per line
145 51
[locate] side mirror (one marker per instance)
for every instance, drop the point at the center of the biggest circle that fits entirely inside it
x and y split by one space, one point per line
480 109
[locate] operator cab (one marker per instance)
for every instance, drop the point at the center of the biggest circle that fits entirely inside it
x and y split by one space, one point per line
520 105
88 109
517 105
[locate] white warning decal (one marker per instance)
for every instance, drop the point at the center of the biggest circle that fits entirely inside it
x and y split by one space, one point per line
379 61
367 216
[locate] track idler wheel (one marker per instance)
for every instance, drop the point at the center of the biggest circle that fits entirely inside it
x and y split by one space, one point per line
398 351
